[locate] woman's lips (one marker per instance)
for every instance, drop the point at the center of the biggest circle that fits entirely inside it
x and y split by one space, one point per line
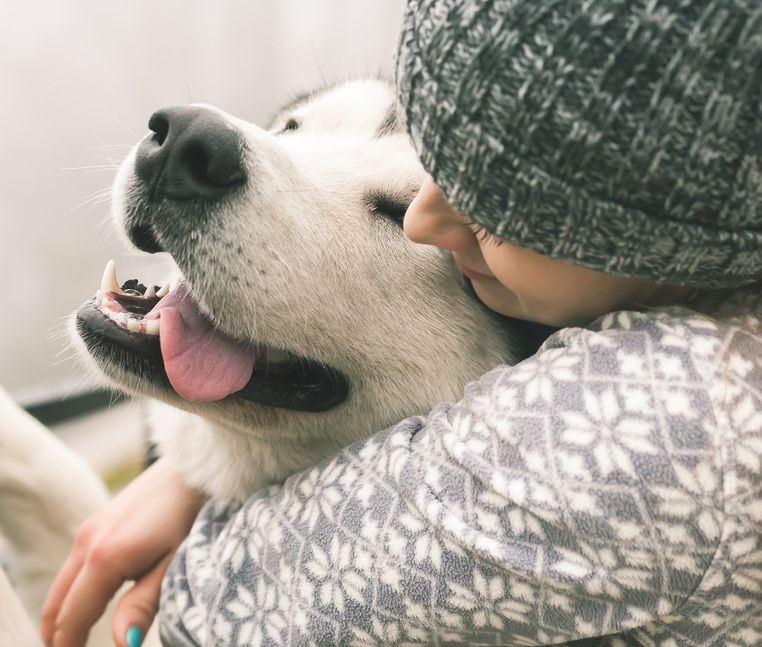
472 274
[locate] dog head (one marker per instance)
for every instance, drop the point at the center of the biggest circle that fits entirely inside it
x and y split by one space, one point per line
300 309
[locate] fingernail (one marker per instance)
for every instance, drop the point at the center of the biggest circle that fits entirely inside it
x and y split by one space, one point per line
134 636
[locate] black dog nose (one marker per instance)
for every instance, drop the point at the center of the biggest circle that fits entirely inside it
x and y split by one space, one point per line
192 153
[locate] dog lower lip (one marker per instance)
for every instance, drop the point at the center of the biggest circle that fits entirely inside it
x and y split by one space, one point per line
141 344
311 387
295 383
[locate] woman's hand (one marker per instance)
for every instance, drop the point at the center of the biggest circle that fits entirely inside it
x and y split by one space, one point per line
133 538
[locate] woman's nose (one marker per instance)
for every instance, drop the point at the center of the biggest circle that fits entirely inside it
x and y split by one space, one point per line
431 220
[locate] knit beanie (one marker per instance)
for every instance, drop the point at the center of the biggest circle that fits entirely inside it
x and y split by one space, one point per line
621 135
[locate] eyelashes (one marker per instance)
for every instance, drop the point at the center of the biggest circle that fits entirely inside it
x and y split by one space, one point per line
484 236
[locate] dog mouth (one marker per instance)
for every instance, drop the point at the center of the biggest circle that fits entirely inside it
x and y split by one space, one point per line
160 334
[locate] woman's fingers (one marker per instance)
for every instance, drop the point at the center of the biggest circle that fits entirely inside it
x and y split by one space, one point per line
138 607
57 594
130 539
93 587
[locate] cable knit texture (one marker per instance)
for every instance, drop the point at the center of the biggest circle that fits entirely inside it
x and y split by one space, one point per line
624 136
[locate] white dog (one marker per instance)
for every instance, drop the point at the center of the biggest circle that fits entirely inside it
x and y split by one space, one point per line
300 320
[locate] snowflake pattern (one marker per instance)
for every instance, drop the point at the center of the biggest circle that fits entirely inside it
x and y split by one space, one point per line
609 486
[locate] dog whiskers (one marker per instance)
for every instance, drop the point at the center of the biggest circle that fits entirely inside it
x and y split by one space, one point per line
93 167
97 197
128 129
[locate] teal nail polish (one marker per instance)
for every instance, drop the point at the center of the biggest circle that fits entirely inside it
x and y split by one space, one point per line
134 636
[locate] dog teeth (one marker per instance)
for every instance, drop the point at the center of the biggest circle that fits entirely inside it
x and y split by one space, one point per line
115 311
109 282
109 308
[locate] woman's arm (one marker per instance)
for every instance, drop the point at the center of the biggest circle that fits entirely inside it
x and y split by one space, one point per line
561 498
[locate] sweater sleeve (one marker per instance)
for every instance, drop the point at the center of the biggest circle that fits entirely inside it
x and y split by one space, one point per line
576 494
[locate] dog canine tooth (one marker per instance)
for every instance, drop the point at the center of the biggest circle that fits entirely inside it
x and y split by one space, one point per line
109 282
163 291
150 292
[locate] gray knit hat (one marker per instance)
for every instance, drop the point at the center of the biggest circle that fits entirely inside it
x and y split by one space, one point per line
623 136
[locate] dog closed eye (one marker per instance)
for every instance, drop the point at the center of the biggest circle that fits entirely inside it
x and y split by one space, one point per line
387 205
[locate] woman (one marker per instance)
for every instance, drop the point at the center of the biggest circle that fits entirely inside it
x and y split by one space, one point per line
607 155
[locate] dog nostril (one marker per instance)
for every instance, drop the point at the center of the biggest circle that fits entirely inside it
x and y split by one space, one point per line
159 124
196 161
210 166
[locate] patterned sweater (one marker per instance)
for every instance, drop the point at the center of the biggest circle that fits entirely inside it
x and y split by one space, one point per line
608 488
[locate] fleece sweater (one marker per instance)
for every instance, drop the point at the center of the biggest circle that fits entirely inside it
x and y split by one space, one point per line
608 489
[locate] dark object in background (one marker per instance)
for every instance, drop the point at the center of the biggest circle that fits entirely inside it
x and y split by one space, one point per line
53 412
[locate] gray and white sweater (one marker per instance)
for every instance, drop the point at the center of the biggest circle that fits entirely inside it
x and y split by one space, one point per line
608 488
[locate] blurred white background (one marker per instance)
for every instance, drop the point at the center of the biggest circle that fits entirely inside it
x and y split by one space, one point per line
79 81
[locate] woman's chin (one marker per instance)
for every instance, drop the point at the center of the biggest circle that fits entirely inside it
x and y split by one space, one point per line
497 297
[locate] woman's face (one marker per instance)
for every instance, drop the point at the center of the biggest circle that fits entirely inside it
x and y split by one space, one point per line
519 282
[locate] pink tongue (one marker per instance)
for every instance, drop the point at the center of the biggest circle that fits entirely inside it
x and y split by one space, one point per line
202 363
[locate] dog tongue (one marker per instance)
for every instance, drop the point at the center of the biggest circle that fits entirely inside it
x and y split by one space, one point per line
201 362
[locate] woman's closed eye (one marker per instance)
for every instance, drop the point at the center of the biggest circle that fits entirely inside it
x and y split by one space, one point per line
484 236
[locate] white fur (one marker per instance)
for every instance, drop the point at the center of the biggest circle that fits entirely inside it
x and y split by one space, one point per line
15 627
